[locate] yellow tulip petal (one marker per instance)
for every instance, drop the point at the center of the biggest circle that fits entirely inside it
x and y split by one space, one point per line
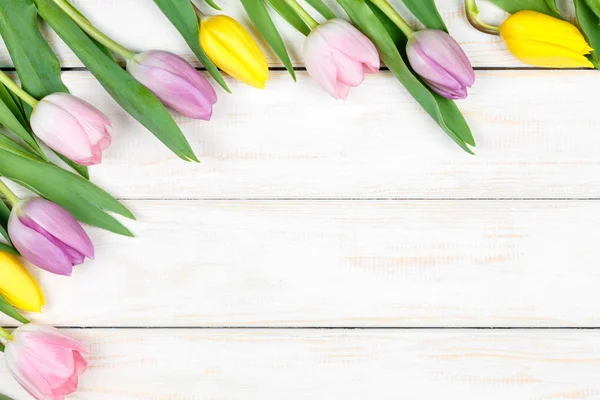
17 286
544 41
233 50
546 55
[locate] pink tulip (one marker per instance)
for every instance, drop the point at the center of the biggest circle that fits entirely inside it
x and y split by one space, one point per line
48 236
45 361
175 82
72 127
336 55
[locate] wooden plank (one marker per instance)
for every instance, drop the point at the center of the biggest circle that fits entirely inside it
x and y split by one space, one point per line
224 364
339 263
139 25
536 132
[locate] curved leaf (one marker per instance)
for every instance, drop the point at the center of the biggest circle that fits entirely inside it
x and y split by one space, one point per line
259 15
594 5
588 21
443 111
8 309
427 13
86 201
213 5
322 8
134 97
182 15
542 6
288 13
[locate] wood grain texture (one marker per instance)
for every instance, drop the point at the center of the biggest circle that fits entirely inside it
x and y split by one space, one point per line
274 365
536 133
339 263
139 25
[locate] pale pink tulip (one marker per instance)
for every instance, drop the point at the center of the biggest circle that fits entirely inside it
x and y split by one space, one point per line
336 55
175 82
72 127
48 236
45 361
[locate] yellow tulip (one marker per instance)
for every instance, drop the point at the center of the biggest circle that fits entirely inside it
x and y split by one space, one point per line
543 41
233 50
17 286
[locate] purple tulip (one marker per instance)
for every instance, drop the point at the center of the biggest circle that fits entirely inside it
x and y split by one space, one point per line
73 127
175 82
337 55
441 62
48 236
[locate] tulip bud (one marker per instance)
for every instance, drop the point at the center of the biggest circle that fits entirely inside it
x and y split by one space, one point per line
48 236
17 286
175 82
543 41
441 62
45 361
72 127
233 50
336 55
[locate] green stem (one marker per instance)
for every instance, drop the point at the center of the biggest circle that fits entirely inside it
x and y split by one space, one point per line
396 18
6 335
91 30
9 194
473 16
16 89
303 14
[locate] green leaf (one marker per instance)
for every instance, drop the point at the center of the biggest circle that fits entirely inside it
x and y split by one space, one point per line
542 6
80 169
84 200
588 22
8 309
259 15
283 8
594 5
427 13
213 5
182 15
442 110
134 97
37 65
13 120
322 8
8 249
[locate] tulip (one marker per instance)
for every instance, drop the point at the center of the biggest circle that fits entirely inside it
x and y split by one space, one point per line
72 127
17 286
45 361
175 82
544 41
337 55
441 62
233 50
48 236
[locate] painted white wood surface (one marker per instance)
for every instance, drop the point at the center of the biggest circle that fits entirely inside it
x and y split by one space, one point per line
340 263
139 25
248 238
373 364
537 137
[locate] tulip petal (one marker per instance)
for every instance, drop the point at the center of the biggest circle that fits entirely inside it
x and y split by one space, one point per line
38 248
72 141
17 286
351 42
320 63
348 71
59 223
54 337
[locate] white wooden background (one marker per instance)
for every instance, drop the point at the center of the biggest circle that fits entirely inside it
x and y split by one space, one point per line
344 250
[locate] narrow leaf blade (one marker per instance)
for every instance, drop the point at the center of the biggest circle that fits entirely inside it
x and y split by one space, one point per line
259 15
322 8
427 13
541 6
283 8
8 309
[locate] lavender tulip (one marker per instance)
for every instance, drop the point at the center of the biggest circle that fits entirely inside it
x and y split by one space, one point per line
440 61
175 82
72 127
48 236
